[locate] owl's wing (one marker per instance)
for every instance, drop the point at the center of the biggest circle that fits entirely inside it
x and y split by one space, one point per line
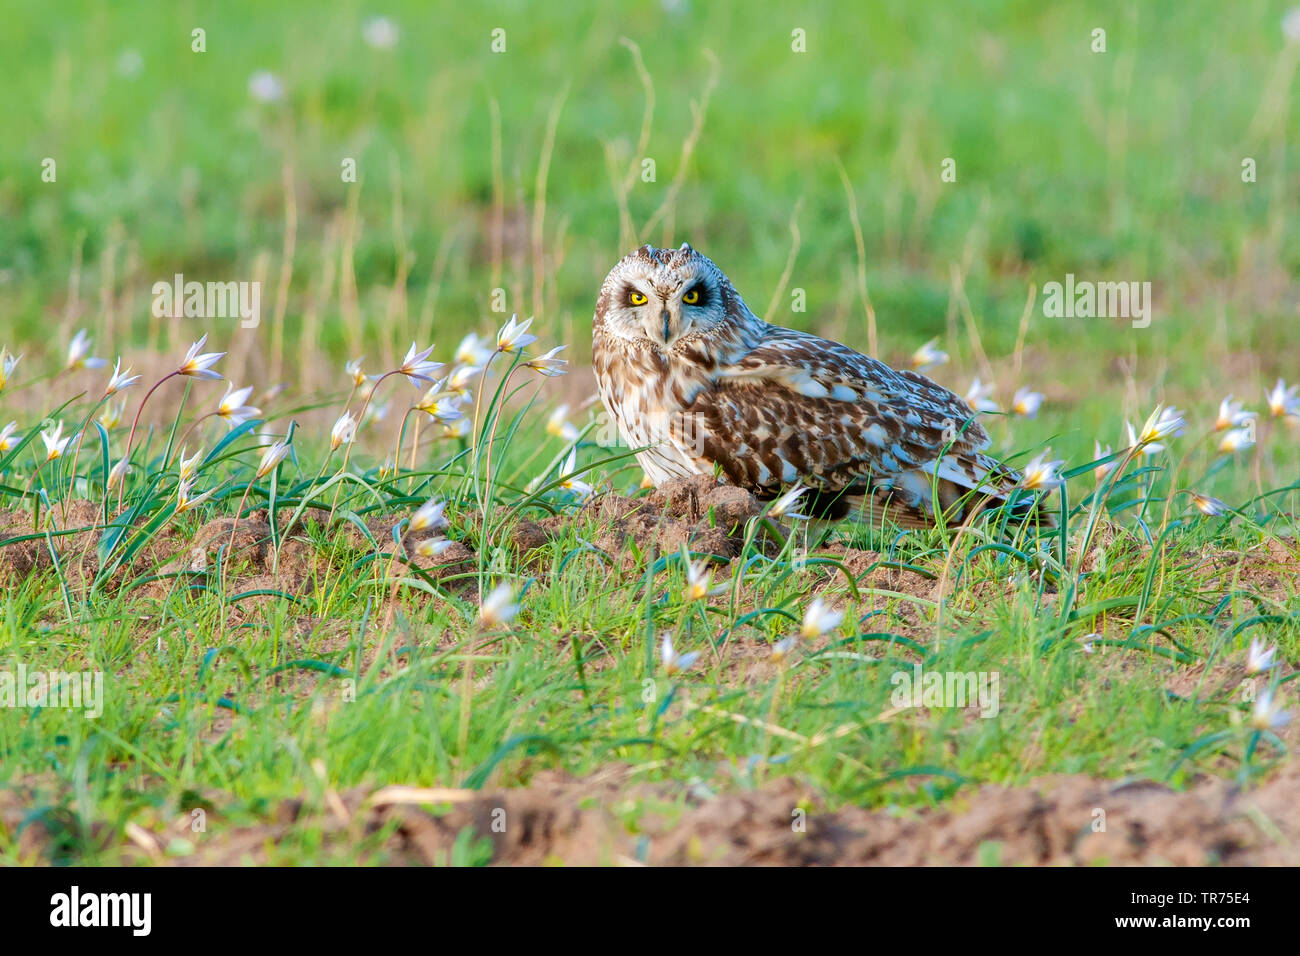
801 408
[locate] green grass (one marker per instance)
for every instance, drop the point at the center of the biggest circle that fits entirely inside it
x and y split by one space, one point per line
225 693
227 685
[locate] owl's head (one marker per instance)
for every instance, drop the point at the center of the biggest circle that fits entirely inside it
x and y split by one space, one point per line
667 296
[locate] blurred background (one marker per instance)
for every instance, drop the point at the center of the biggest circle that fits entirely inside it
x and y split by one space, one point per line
522 168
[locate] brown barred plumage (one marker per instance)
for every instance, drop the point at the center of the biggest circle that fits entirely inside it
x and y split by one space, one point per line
696 382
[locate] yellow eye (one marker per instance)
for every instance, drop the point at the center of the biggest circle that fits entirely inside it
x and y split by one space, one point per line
636 298
691 297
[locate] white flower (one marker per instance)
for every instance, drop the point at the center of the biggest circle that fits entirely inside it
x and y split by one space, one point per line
1267 714
200 366
380 33
8 362
7 437
55 444
111 416
1283 401
499 606
782 648
1026 402
130 63
699 578
1231 415
457 429
673 662
367 387
461 381
1207 505
117 474
185 500
1235 440
189 466
1104 469
416 367
265 87
928 356
1041 475
432 547
272 457
1260 658
120 380
977 397
818 620
560 426
570 483
79 353
429 517
781 508
443 408
353 369
343 432
514 335
548 364
1291 25
1151 448
1161 424
232 407
472 351
376 413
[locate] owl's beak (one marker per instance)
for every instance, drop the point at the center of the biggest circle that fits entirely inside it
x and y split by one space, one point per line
670 325
674 325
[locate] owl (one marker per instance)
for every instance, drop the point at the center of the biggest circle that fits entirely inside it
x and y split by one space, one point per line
698 384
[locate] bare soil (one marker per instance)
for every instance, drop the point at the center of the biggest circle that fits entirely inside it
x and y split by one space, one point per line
611 819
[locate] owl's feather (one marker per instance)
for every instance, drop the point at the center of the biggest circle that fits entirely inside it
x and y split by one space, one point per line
770 407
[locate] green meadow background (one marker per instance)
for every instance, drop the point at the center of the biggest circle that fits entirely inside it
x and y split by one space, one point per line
480 170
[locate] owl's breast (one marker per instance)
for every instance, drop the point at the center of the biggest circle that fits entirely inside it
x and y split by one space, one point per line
647 397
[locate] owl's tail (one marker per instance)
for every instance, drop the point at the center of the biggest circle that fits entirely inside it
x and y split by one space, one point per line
975 483
955 488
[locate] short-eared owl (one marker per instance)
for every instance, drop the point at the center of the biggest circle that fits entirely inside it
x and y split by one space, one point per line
697 382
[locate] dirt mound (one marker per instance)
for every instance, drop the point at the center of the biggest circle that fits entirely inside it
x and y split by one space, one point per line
1271 570
607 819
66 526
1059 821
260 558
699 513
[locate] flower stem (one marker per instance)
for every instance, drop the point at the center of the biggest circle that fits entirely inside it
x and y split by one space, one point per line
347 454
136 421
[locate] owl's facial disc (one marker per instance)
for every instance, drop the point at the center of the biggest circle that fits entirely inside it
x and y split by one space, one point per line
663 313
664 297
